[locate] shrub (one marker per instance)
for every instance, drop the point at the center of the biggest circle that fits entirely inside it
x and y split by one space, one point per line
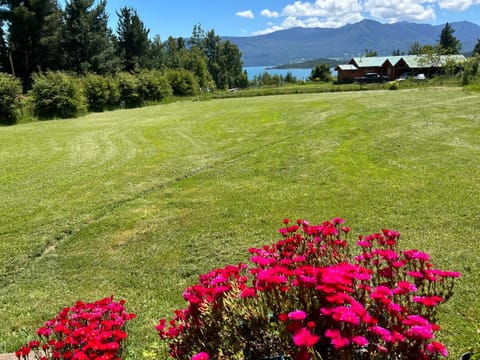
306 297
129 90
154 86
56 94
82 332
100 92
183 82
10 93
393 85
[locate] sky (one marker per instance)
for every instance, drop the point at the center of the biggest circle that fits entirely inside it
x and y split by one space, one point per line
254 17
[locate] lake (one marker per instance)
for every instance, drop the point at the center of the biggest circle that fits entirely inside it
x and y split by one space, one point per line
300 74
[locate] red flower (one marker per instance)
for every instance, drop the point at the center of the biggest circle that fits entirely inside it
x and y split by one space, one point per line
303 337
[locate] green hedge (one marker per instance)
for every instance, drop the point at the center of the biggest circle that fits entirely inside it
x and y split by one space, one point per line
10 92
183 82
56 95
101 92
154 86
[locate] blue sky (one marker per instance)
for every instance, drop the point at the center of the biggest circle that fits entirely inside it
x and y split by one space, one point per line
253 17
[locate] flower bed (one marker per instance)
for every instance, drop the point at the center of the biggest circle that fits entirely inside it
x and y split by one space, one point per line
307 297
82 332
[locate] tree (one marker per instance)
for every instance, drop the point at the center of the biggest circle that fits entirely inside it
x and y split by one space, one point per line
133 44
476 49
230 66
195 62
224 62
370 53
173 54
417 49
198 38
88 41
321 72
156 54
448 44
33 38
4 62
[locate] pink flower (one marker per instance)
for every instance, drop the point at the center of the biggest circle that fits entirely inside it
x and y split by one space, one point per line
428 300
340 342
360 340
419 332
297 315
201 356
436 347
338 220
303 337
404 287
248 293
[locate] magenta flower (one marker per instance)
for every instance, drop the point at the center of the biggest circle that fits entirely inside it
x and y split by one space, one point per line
428 300
360 340
201 356
303 337
436 347
297 315
420 332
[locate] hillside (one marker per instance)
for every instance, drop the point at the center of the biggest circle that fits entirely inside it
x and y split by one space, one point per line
286 46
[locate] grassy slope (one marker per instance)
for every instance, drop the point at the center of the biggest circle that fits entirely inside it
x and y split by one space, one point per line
137 203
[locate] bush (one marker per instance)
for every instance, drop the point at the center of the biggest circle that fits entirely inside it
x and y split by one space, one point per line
56 94
154 86
100 92
306 297
10 93
129 90
393 85
183 82
82 332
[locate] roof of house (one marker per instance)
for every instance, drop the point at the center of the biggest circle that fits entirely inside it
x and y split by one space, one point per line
350 67
412 61
423 61
369 61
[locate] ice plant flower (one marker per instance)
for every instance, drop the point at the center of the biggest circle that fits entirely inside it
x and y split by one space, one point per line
83 331
304 337
379 301
201 356
297 315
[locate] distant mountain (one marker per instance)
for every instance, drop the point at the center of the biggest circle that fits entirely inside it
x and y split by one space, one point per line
298 44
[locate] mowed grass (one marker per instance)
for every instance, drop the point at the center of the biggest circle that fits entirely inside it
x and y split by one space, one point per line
137 203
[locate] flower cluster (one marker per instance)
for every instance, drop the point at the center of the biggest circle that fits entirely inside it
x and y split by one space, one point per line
82 332
306 297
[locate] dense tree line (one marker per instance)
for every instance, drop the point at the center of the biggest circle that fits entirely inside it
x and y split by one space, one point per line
38 36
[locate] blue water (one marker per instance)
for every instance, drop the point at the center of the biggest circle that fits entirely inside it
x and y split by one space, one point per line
300 74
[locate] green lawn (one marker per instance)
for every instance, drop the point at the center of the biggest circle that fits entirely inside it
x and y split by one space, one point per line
137 203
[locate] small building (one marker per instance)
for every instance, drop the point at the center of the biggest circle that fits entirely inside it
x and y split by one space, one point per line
395 66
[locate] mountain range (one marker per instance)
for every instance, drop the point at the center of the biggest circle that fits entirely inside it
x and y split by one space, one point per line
297 44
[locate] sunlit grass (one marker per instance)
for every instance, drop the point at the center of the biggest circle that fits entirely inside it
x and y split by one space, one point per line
137 203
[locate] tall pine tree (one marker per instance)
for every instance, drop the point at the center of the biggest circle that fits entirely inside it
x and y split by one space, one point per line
133 43
33 38
87 39
448 43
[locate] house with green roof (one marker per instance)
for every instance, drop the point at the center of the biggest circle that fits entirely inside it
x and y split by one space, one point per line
395 66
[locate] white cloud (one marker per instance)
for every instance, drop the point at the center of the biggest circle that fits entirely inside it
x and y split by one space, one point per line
457 5
311 22
394 10
269 14
336 13
248 14
323 8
